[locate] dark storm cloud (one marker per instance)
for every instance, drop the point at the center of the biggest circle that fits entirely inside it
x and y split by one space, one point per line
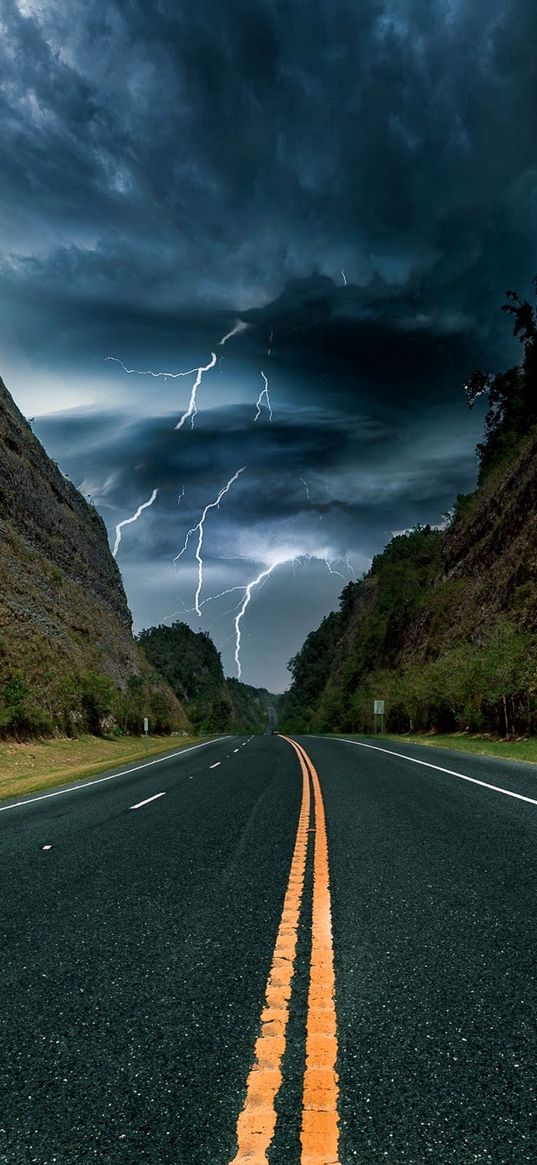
354 476
398 355
356 181
316 485
150 452
163 153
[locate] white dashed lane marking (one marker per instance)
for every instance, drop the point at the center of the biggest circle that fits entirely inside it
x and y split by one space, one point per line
147 801
113 776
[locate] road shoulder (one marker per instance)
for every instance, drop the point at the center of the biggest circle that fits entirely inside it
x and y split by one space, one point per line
37 766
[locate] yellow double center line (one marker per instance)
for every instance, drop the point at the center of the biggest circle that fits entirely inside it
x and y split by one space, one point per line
257 1122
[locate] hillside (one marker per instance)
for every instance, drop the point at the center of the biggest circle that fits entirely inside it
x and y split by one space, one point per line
444 625
68 660
190 663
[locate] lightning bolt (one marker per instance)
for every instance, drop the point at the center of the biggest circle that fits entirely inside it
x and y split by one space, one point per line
181 496
264 393
149 372
344 277
271 337
222 614
220 595
200 527
211 599
184 611
248 589
307 489
238 327
192 410
330 568
127 521
242 606
349 566
242 609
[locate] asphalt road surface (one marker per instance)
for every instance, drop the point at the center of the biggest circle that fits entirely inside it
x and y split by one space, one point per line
249 953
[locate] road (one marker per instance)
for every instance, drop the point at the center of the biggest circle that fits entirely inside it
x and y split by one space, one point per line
272 719
167 969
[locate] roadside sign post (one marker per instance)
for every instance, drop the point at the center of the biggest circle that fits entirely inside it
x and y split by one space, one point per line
378 709
146 730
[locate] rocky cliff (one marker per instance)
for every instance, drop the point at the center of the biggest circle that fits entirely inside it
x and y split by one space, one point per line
443 627
68 659
492 547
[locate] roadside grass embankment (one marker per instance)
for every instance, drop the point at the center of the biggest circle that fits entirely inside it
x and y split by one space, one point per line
521 750
44 764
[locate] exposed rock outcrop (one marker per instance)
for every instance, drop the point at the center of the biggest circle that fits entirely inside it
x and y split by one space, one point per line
65 626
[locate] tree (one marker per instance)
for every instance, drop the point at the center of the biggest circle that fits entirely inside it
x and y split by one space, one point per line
512 395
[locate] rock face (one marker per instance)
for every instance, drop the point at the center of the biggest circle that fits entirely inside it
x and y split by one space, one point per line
444 626
63 610
493 547
58 576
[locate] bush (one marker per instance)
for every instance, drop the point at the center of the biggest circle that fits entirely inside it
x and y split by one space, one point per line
490 687
97 700
21 714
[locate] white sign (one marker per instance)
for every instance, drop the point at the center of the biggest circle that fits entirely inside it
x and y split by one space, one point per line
146 725
378 707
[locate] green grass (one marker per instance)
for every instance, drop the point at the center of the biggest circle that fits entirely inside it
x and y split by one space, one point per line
42 764
522 750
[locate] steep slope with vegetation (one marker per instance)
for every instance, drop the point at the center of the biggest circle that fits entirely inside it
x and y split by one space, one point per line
68 660
444 625
190 663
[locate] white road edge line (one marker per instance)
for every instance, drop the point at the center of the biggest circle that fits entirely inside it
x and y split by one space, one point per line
112 777
155 797
215 766
428 765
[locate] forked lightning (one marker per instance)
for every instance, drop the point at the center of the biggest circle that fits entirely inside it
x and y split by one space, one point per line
191 411
200 527
264 393
127 521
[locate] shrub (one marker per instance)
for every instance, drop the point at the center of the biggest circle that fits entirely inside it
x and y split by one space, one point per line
97 700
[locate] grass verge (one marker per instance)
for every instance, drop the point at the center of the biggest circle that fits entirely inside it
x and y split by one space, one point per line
42 764
522 750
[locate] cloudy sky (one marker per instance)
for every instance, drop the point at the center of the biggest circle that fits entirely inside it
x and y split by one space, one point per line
354 182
